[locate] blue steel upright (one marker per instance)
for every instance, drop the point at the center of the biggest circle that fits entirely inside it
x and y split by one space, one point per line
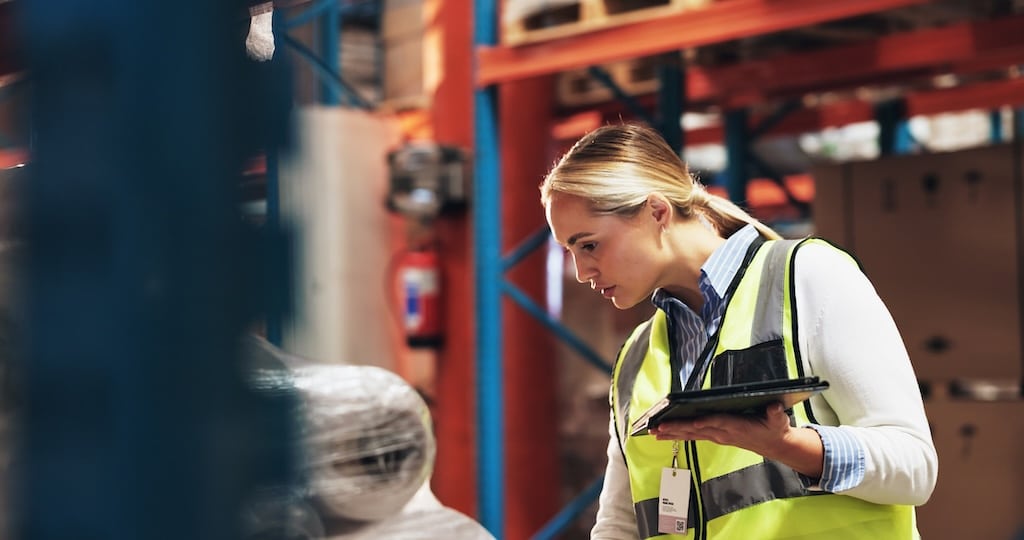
489 276
136 420
737 141
330 51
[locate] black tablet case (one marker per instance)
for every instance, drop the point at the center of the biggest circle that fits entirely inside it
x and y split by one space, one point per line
736 399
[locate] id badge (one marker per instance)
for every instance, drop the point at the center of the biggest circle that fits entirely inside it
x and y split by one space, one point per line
673 500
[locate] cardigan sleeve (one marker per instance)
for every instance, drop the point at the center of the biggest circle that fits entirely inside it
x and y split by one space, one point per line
849 338
616 519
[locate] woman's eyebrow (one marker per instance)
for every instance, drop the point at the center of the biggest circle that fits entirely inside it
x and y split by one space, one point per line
574 238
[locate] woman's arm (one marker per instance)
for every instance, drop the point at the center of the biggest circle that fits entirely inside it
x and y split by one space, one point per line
616 519
882 449
850 339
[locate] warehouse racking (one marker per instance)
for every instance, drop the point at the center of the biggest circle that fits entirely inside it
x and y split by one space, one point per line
963 47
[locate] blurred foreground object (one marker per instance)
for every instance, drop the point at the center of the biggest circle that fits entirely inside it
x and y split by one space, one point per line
11 328
141 274
368 450
259 43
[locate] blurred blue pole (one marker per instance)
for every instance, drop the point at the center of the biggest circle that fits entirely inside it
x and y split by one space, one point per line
330 51
274 312
136 420
737 146
995 119
672 103
556 327
889 115
565 517
487 249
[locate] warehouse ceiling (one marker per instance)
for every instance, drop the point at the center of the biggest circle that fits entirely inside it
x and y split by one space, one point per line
934 14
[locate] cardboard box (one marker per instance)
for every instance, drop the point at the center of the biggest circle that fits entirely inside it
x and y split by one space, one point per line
939 236
404 37
981 476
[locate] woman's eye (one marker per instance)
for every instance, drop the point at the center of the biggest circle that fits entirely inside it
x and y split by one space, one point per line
588 247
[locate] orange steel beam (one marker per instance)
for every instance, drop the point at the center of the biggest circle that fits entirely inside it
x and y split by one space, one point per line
801 121
960 49
982 95
963 47
449 28
985 95
721 21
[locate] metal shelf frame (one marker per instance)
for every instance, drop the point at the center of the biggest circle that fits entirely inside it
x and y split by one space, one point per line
967 47
490 285
334 90
141 404
721 21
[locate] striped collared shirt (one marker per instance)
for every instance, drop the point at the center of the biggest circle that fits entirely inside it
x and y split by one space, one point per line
688 334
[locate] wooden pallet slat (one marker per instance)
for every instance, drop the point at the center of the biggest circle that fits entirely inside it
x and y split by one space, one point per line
575 88
562 21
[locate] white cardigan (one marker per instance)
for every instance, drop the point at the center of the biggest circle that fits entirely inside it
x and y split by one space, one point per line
848 338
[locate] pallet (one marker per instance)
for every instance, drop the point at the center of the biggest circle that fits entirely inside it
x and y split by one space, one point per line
561 21
576 88
402 39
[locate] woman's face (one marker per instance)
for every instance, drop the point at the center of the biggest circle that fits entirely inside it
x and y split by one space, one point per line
616 255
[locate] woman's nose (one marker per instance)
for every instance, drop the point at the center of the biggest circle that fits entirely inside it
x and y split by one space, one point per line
583 273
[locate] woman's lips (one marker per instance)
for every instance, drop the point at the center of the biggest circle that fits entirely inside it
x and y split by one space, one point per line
608 292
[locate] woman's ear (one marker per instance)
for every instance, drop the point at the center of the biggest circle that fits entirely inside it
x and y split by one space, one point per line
660 209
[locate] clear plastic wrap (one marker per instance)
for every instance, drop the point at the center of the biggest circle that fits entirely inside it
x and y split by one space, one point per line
367 448
423 518
281 515
367 437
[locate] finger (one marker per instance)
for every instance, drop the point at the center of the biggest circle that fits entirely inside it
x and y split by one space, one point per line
728 422
719 436
695 434
665 432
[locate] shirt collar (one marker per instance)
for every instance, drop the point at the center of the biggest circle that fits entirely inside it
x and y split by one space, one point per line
721 267
724 262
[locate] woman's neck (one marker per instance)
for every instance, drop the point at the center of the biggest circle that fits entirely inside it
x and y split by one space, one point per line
690 244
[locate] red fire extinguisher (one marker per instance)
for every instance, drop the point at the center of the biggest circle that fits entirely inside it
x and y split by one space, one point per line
419 287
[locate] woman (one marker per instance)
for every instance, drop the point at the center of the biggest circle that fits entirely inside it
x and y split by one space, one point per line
850 462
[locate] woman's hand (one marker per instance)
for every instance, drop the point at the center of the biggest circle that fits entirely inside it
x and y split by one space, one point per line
770 436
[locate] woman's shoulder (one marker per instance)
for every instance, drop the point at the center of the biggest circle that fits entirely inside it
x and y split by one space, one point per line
821 262
820 250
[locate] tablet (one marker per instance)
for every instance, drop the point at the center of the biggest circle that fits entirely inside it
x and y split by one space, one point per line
735 399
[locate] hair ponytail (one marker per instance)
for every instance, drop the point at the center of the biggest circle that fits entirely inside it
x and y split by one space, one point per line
725 215
616 167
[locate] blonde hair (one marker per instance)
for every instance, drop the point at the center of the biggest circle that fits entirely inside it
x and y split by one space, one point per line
616 167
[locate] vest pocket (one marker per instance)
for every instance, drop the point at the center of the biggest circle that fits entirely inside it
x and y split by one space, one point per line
759 363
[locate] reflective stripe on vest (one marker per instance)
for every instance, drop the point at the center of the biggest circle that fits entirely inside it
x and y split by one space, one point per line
736 493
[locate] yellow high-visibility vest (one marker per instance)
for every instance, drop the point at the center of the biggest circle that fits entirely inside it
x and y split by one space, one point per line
735 493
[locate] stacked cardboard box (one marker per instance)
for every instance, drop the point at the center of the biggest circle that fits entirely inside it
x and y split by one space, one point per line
940 237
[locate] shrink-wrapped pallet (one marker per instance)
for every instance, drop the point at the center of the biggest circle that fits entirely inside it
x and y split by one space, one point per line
365 440
366 446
